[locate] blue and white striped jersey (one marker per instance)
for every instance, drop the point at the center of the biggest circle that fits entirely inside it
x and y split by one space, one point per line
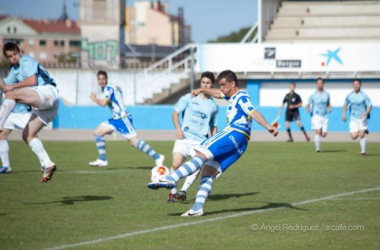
239 112
116 103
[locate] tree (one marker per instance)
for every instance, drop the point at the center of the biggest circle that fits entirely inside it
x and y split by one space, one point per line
234 37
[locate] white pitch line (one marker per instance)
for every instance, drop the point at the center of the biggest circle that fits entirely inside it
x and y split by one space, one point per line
125 235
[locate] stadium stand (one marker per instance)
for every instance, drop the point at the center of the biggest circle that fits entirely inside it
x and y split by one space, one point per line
322 21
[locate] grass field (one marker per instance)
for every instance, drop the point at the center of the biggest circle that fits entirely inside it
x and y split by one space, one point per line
264 201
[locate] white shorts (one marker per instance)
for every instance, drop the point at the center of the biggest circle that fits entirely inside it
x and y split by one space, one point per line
185 147
49 102
319 122
358 125
17 121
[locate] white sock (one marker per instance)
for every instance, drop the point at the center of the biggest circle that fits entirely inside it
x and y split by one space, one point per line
189 181
174 190
6 109
36 145
4 153
317 141
363 144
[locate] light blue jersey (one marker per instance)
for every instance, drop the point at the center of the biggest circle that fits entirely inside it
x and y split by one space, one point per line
198 115
358 104
27 67
320 103
20 107
239 112
116 103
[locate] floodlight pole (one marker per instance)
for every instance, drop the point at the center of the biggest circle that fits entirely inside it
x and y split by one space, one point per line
192 74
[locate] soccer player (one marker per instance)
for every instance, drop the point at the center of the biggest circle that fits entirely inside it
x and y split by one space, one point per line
225 147
320 102
32 85
294 102
18 119
121 122
360 107
199 116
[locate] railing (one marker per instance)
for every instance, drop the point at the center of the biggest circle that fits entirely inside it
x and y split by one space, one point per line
180 62
249 34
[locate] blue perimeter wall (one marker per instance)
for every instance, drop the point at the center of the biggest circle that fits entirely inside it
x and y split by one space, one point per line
159 117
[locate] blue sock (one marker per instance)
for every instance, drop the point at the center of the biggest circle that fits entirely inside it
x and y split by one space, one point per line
143 146
101 144
187 169
204 190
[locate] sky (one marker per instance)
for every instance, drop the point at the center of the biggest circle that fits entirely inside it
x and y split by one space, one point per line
208 18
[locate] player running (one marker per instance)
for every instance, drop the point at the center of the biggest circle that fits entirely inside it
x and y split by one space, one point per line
294 102
199 116
320 102
121 122
18 119
360 107
32 85
225 147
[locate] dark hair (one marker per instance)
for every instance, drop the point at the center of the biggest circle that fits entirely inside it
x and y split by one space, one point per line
228 75
10 47
208 75
293 83
320 78
102 72
357 80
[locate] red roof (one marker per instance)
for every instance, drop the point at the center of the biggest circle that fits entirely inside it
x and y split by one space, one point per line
50 26
47 26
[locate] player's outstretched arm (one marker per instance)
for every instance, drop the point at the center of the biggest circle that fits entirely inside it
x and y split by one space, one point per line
259 118
216 93
102 103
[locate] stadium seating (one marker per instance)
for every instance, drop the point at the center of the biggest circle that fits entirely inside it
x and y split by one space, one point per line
326 21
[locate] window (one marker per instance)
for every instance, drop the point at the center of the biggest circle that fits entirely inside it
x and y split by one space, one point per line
31 42
43 55
42 42
31 54
9 29
75 43
56 55
14 30
59 43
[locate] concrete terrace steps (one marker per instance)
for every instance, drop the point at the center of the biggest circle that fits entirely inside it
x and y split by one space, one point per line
326 32
336 21
326 21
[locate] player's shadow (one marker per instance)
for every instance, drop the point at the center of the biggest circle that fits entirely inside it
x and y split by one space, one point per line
269 206
125 168
216 197
74 199
334 151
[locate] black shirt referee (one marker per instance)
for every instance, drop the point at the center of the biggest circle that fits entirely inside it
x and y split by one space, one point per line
293 101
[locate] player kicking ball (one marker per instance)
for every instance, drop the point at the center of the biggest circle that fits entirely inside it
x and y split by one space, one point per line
225 147
321 107
31 85
360 107
199 116
121 122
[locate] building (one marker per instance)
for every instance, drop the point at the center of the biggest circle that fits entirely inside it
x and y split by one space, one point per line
45 40
150 23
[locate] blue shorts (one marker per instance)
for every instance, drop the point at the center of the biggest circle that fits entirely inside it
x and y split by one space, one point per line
123 126
223 148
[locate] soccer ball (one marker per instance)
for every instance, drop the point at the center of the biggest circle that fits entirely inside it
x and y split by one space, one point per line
158 173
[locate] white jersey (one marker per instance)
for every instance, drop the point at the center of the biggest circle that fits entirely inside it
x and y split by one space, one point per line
116 103
239 112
